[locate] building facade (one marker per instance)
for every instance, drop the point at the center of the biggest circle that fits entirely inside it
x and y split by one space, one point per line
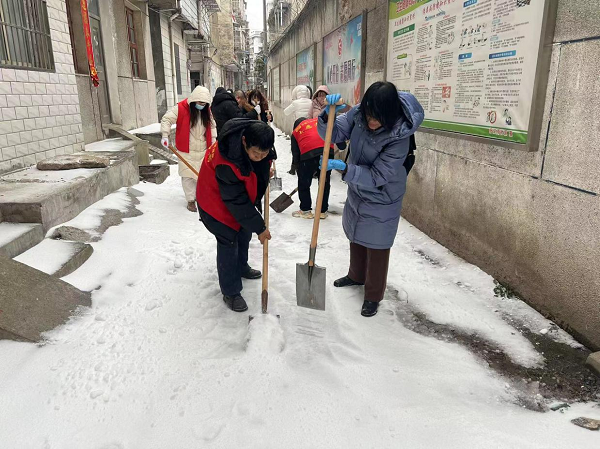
528 218
39 100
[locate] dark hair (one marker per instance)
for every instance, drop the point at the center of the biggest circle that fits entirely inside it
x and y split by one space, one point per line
298 121
310 91
195 114
264 105
382 103
259 134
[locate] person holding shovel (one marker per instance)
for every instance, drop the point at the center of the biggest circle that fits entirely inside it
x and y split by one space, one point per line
196 131
307 149
380 130
233 178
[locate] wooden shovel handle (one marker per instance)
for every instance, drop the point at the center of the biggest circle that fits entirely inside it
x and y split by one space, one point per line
323 177
182 159
265 277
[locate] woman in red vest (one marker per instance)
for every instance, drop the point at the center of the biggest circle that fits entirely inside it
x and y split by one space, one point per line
307 149
233 178
196 131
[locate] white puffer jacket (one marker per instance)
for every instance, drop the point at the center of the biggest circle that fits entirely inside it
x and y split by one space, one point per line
197 133
301 103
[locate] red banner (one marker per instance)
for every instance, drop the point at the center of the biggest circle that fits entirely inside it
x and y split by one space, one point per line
88 42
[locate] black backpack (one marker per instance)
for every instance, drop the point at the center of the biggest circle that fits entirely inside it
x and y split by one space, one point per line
410 158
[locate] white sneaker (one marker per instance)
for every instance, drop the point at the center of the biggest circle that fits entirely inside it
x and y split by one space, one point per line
303 214
324 215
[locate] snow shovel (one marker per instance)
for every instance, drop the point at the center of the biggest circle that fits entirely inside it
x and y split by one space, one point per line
310 278
265 275
283 201
275 181
182 159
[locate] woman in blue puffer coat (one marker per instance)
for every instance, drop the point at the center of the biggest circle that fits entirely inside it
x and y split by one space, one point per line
379 130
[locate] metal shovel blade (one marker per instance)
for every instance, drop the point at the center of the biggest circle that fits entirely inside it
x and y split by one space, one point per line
276 184
282 203
310 286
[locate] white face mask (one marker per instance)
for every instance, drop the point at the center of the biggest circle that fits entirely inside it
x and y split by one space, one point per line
200 106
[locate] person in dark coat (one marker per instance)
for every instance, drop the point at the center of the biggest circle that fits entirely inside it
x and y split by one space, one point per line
380 130
225 107
257 99
233 178
307 149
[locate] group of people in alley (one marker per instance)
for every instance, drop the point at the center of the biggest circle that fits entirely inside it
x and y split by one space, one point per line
230 141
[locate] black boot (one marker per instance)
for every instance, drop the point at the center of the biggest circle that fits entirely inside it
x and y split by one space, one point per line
345 282
369 308
252 274
236 303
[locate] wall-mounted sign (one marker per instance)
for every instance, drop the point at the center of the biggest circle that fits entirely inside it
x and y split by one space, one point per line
275 94
471 63
305 67
342 61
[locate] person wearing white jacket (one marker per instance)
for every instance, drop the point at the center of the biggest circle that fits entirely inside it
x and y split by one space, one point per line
301 107
196 131
301 103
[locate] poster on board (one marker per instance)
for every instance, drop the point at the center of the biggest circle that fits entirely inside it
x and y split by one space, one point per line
470 63
342 61
305 67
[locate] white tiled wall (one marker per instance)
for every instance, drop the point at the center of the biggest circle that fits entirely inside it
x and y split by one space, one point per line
185 74
39 111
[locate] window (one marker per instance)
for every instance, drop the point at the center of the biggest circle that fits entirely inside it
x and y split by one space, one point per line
133 48
177 69
25 35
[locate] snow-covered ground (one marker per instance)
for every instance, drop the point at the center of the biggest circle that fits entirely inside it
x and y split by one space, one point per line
160 362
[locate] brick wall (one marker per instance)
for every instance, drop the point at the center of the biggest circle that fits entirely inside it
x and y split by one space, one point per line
39 111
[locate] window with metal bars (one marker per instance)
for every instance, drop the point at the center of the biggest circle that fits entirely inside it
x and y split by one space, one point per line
133 48
25 41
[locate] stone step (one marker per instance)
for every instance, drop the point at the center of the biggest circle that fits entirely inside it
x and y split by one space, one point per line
34 302
57 258
16 238
54 197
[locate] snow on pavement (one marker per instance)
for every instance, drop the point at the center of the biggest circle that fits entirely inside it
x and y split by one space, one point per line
160 362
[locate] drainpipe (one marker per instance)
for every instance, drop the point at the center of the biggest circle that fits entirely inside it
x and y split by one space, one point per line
173 70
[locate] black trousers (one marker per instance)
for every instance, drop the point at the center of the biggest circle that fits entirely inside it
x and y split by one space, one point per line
306 170
232 253
232 262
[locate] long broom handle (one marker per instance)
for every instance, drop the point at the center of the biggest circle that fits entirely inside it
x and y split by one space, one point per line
182 159
265 278
323 177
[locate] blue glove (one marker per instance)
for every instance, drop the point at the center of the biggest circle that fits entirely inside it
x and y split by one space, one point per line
333 164
333 99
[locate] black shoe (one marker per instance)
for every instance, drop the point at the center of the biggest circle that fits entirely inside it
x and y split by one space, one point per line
369 308
252 274
236 303
345 282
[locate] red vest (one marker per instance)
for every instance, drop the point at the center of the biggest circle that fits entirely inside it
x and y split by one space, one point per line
182 133
207 189
307 136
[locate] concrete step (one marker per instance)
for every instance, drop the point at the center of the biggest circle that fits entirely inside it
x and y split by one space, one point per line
57 258
34 302
54 197
16 238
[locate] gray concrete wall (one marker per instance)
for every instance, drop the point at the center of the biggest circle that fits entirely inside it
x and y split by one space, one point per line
530 219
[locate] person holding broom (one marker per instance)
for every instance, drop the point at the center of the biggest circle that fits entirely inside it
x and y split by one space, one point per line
196 131
380 130
233 178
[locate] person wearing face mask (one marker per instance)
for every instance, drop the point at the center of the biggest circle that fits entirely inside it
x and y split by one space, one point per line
233 178
196 131
380 130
